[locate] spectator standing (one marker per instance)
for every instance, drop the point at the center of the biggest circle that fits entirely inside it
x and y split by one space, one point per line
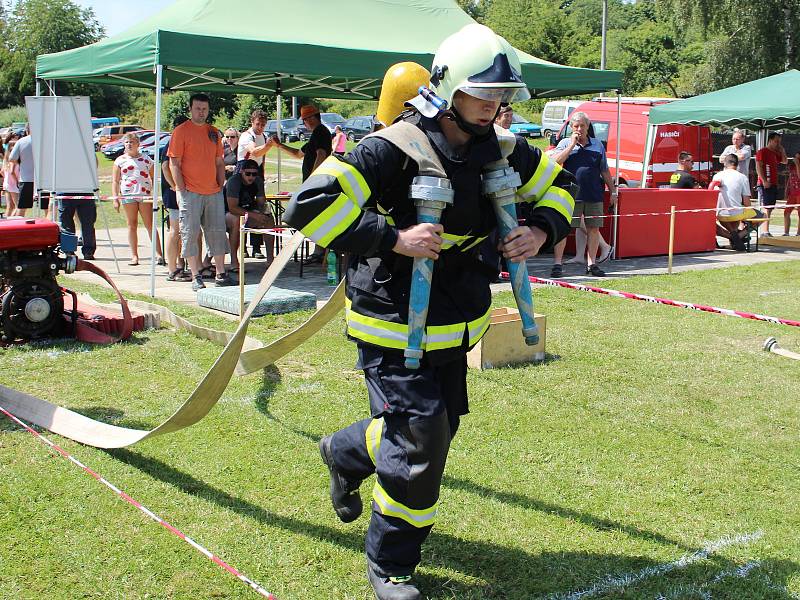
131 180
10 173
733 202
230 146
22 155
682 177
504 117
254 145
584 157
87 215
175 263
245 196
742 151
197 166
792 195
339 141
767 160
313 152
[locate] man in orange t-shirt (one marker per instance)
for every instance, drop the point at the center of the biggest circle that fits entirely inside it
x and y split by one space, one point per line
197 165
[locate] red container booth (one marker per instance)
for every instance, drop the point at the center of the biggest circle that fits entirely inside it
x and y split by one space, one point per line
649 236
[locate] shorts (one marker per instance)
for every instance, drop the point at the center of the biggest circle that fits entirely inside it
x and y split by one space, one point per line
127 200
767 196
174 214
206 212
592 214
747 213
26 196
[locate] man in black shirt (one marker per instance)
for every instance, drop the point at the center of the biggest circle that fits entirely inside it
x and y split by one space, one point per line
313 152
682 177
244 192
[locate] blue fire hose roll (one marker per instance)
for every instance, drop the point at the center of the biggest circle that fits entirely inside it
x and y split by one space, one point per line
500 183
431 196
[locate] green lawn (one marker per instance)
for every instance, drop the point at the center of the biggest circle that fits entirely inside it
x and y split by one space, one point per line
649 432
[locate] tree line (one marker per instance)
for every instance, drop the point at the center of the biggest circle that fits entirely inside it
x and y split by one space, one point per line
664 47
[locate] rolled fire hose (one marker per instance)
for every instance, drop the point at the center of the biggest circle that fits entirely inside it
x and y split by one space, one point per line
500 183
431 196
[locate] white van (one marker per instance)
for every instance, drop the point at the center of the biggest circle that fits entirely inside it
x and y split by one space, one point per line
555 113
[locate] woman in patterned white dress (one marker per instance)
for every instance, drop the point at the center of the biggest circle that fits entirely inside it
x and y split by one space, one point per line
132 183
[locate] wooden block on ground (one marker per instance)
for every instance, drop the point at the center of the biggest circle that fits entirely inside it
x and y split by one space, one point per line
277 300
783 241
503 344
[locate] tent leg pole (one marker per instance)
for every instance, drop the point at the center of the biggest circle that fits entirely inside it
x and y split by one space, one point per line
615 222
278 112
648 142
157 182
108 231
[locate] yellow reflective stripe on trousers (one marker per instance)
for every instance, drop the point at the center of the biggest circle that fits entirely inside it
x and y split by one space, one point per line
388 506
373 438
478 327
351 181
332 221
395 335
542 178
559 199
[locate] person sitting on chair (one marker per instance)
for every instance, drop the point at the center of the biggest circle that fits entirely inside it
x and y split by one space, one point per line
733 203
244 192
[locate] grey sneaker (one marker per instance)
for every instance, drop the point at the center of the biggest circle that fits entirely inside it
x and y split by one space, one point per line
198 284
391 588
224 280
344 492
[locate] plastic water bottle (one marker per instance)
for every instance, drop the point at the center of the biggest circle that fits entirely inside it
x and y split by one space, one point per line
333 278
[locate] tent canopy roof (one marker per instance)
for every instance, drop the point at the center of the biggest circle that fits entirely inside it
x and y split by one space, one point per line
771 102
300 48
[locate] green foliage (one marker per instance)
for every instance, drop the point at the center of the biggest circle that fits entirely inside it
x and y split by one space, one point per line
349 108
222 108
475 8
12 114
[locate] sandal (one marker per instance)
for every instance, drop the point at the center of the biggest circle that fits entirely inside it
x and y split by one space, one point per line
161 262
208 272
134 262
179 275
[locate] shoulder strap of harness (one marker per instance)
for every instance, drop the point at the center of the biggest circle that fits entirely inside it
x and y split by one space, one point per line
413 142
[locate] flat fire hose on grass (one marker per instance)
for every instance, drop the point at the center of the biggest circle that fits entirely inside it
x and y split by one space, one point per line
232 359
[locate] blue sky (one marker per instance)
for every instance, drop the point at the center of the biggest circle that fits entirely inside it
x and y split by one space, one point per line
118 15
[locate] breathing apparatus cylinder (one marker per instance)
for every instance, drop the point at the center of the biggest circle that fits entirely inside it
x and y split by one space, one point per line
500 183
431 195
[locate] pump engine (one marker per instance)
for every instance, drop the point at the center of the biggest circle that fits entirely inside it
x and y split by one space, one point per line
32 254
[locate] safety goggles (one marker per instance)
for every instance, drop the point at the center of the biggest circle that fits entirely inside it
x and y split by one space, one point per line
504 95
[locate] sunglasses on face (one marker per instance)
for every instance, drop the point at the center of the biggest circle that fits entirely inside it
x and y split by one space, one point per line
231 137
250 173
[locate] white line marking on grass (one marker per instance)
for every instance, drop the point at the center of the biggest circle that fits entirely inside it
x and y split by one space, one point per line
611 582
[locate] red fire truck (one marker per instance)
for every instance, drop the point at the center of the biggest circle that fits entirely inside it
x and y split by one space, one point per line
668 141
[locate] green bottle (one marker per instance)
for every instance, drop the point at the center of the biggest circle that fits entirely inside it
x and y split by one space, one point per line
333 279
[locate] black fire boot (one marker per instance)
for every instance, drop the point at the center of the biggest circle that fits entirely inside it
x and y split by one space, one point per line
391 588
344 492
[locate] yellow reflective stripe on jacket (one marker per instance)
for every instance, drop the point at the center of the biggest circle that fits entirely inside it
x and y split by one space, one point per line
542 178
477 241
395 335
351 181
559 199
373 438
451 239
385 213
478 327
332 221
388 506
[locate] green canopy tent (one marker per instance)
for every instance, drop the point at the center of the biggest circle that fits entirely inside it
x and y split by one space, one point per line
301 48
769 103
304 48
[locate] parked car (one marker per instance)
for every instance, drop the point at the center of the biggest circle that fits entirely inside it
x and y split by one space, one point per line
110 133
555 114
98 122
289 129
114 149
521 126
668 142
356 128
331 120
148 145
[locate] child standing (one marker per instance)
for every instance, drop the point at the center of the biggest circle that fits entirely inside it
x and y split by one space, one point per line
792 195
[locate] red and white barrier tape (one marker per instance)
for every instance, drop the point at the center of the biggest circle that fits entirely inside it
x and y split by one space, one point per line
246 580
680 304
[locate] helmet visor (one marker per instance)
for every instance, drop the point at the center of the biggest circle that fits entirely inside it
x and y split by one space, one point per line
504 95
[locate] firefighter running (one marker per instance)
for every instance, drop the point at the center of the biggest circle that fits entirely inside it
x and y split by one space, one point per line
361 204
